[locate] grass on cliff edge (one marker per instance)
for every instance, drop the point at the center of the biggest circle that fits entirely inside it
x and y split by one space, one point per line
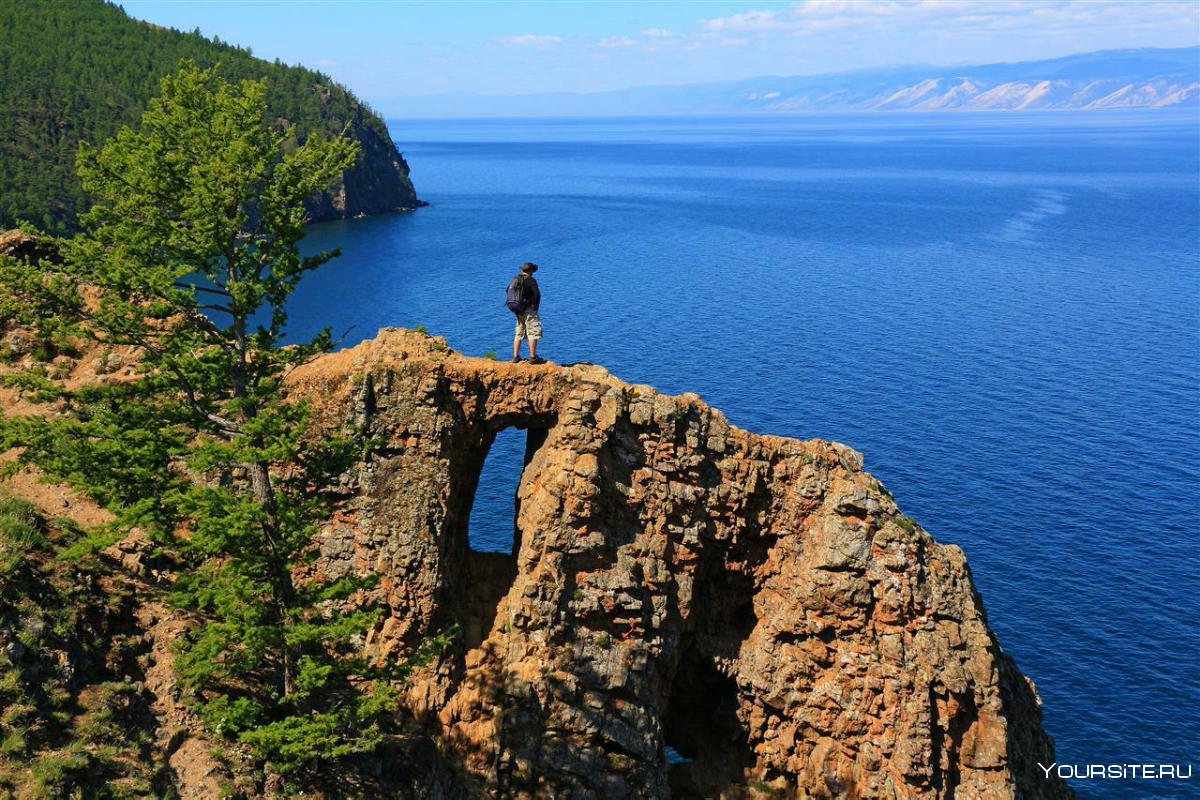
70 724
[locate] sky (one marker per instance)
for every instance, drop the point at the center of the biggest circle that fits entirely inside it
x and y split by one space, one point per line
388 49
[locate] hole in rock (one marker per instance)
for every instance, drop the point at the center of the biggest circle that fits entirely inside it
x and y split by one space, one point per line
704 742
492 526
492 535
673 756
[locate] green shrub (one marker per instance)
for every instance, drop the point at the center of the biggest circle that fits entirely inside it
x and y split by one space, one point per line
53 775
908 523
100 723
14 743
10 686
75 544
20 524
490 355
44 351
296 742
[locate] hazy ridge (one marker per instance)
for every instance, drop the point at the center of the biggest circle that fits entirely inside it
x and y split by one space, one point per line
1141 78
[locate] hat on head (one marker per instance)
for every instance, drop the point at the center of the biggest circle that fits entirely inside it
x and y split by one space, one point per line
529 267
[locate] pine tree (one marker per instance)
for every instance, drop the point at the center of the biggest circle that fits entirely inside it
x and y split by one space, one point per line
188 256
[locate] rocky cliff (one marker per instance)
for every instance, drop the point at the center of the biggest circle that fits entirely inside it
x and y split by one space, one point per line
376 184
759 605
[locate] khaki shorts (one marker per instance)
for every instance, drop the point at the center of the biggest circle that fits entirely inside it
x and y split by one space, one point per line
529 326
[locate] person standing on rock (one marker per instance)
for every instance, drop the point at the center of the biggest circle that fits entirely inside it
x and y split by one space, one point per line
524 298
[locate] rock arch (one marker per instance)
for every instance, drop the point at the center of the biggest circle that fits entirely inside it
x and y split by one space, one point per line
665 556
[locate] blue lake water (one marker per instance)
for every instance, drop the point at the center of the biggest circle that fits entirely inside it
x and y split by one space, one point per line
1001 311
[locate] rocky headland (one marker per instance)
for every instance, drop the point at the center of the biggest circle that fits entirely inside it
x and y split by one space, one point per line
758 605
377 183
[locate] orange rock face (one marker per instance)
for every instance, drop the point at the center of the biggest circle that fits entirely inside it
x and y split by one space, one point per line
758 604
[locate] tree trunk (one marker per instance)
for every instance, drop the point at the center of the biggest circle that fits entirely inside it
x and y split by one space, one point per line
284 589
260 484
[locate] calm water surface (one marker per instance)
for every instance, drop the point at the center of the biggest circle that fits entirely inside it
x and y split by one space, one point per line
1001 312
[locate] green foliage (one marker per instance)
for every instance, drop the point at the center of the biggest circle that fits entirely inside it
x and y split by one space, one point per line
20 523
420 329
14 743
78 70
84 545
67 727
188 256
100 723
54 774
296 741
908 523
490 355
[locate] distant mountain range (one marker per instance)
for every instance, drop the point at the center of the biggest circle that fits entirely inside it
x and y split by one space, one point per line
1142 78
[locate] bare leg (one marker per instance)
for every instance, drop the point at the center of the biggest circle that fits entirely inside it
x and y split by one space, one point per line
533 348
516 348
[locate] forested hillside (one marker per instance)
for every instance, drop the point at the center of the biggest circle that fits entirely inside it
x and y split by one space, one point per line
77 70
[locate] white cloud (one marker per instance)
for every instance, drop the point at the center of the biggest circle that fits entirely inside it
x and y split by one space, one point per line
1038 16
811 36
531 40
655 40
749 21
659 33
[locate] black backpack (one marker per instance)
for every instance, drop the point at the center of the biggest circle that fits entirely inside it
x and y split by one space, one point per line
517 295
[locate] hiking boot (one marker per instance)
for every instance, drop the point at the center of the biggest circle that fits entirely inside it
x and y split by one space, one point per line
517 359
537 360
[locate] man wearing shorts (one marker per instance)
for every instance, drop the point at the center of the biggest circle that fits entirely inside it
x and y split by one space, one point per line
529 325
